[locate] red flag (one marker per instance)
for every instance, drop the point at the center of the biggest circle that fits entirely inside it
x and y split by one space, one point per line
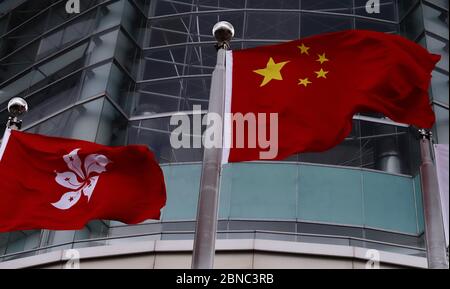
61 184
317 84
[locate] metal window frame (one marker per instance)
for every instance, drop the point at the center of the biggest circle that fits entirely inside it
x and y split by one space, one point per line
54 29
57 53
266 10
350 240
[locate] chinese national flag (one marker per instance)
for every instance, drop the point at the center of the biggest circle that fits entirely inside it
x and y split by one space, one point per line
61 184
317 84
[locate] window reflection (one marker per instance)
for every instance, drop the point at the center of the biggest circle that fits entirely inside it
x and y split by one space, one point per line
156 134
120 88
170 59
75 30
19 241
80 122
112 128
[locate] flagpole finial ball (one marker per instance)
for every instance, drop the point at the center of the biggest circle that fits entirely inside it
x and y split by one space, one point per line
17 106
223 31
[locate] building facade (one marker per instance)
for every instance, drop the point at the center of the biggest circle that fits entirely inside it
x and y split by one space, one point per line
114 74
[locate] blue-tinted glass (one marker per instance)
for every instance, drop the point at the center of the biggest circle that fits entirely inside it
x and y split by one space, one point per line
264 191
182 192
330 195
389 202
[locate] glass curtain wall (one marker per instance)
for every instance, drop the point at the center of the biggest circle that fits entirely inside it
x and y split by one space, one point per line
74 71
116 72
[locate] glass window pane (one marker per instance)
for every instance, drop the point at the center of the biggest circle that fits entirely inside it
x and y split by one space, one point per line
270 4
133 21
272 25
63 94
112 129
167 7
169 31
127 53
387 10
412 25
102 47
434 20
330 195
375 26
25 34
143 5
440 47
80 122
253 187
389 202
405 6
120 88
182 192
17 62
156 134
109 16
22 241
94 229
440 87
95 81
442 124
69 33
312 24
387 148
333 6
203 23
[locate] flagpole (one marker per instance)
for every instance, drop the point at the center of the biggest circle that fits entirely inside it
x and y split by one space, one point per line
17 107
434 222
208 202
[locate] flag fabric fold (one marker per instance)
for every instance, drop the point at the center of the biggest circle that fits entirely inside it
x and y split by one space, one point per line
317 84
61 184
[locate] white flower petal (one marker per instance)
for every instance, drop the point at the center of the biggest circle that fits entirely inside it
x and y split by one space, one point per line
88 189
95 163
74 163
68 180
68 200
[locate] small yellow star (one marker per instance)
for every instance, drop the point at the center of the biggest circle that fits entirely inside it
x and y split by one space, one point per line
322 58
321 73
272 71
304 49
304 82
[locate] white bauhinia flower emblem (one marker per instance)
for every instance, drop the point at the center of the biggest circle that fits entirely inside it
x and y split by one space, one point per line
81 182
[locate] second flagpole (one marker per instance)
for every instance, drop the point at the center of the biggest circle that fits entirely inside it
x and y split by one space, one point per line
208 202
434 222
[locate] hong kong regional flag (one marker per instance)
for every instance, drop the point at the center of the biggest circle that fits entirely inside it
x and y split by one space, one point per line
61 184
314 86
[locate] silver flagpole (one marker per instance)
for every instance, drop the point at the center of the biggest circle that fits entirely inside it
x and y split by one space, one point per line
434 223
17 107
208 202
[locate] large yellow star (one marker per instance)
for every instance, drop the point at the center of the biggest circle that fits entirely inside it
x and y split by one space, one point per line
321 73
272 71
304 49
304 82
322 58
